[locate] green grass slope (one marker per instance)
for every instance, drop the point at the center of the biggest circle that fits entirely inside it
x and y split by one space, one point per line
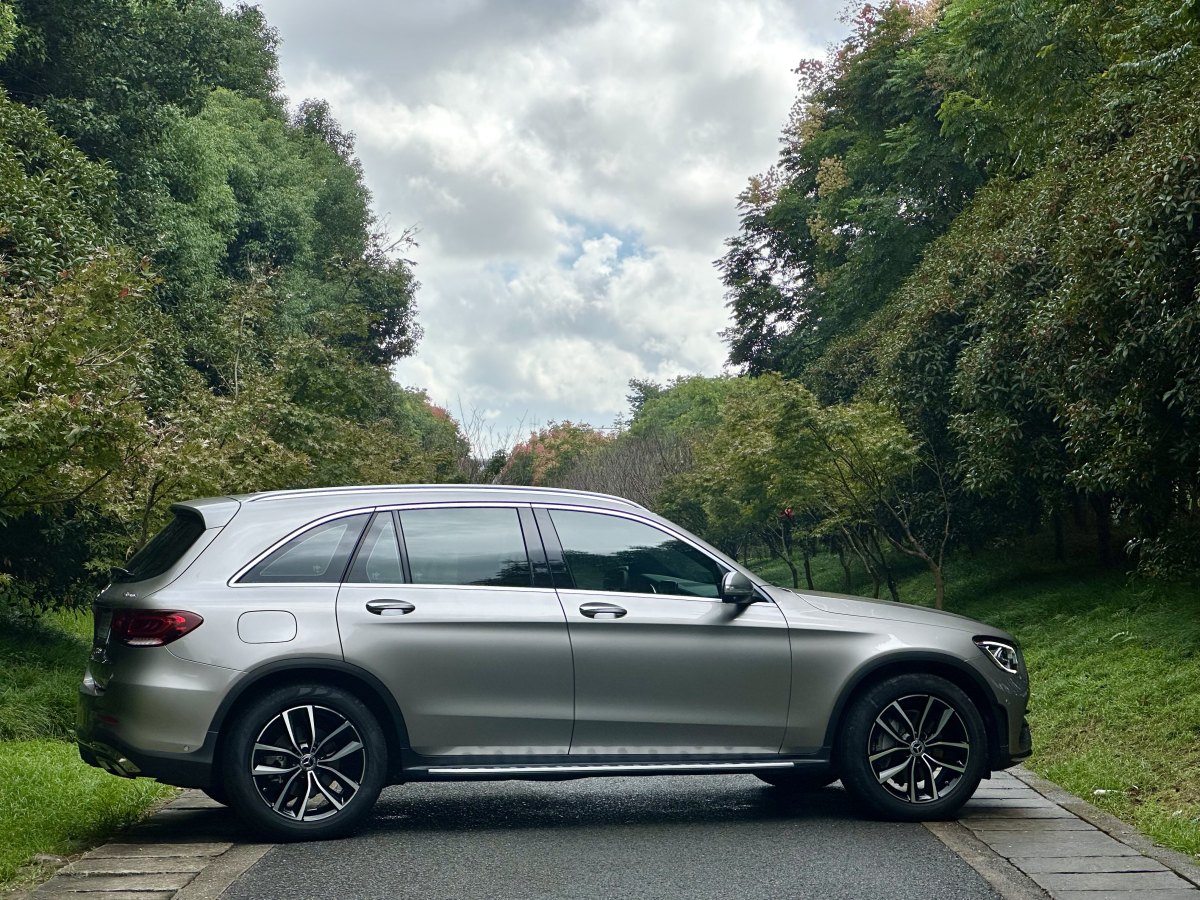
50 801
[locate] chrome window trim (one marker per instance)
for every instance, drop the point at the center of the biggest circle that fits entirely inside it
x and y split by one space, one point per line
234 582
410 586
621 514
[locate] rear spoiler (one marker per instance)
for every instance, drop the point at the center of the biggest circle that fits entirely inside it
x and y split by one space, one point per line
215 512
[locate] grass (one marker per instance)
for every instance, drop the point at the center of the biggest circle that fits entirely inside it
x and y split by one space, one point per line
50 801
1115 668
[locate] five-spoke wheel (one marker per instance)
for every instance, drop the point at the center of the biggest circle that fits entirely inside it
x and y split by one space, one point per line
305 761
913 747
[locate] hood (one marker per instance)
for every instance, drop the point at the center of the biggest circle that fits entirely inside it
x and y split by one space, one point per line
841 604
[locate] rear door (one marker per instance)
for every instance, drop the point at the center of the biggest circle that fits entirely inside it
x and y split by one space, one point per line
440 604
662 665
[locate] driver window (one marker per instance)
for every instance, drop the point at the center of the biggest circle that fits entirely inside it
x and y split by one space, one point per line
609 553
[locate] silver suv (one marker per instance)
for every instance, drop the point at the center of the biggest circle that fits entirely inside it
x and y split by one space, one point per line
291 653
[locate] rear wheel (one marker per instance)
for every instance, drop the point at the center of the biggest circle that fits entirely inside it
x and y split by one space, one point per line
305 762
913 748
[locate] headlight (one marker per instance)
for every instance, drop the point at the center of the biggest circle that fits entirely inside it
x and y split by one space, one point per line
1002 653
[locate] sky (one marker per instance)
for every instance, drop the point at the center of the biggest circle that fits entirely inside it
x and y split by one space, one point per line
572 170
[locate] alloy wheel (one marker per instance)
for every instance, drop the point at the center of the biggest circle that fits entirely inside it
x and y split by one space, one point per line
919 748
308 763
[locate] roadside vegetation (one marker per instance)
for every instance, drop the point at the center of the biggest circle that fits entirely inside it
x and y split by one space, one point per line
51 802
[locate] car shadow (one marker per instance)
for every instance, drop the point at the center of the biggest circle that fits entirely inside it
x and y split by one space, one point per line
588 803
472 807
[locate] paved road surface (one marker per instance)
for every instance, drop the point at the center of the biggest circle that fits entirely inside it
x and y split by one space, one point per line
729 837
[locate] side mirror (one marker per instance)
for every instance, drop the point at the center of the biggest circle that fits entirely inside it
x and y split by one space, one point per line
736 588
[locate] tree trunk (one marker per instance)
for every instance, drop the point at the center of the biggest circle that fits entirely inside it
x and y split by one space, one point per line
807 551
792 568
864 555
893 587
841 552
939 585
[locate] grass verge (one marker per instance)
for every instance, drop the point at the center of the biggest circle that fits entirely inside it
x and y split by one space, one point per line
50 801
1115 668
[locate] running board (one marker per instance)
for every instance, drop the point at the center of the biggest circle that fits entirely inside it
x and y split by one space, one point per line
611 768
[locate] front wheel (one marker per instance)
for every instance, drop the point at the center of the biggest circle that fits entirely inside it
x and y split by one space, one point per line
913 748
305 762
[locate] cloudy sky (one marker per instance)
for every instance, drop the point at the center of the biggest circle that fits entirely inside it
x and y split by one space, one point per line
572 168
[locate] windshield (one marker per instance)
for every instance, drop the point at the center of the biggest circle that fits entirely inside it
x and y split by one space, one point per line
164 549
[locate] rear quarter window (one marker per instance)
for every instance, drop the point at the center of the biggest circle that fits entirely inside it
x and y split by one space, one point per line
317 556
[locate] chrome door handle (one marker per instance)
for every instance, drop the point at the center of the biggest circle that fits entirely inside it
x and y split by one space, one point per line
602 610
390 607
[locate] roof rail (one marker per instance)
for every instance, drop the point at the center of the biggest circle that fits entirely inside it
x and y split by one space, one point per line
267 496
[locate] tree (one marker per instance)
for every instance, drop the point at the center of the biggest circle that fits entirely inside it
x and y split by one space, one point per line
548 454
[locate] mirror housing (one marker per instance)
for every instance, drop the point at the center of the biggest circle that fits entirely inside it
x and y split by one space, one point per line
736 588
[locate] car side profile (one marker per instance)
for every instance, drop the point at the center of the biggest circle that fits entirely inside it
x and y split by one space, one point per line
293 652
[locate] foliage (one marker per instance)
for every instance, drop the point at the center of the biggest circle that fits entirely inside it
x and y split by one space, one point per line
864 181
546 456
196 297
1028 296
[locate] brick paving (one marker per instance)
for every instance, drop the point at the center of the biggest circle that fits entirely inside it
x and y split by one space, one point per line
1065 854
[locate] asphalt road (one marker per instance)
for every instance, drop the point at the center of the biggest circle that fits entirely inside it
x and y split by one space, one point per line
729 837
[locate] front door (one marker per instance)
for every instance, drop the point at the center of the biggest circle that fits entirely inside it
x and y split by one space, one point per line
439 604
662 665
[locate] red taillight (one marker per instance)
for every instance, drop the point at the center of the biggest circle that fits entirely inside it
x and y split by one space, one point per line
152 627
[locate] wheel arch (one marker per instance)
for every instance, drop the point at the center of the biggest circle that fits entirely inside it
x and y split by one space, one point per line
919 662
335 673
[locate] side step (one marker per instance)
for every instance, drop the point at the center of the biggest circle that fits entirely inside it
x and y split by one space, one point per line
577 769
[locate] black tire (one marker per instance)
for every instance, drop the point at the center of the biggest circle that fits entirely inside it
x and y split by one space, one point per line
321 734
217 793
798 782
929 746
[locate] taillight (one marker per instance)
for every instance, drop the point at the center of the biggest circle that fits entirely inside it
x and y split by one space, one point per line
152 627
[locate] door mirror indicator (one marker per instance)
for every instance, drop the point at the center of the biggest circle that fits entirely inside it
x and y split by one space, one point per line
736 588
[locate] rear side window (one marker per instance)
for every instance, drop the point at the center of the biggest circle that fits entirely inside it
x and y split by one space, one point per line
165 549
483 547
378 559
318 556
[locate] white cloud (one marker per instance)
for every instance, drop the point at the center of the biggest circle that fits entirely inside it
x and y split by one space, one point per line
572 168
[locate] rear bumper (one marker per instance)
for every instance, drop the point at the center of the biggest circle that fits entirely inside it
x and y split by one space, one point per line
104 751
102 747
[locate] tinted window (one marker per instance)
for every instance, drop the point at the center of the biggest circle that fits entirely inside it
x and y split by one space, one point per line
608 553
465 546
319 555
165 548
378 559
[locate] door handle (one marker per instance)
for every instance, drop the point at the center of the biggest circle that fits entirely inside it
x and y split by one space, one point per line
390 607
602 610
